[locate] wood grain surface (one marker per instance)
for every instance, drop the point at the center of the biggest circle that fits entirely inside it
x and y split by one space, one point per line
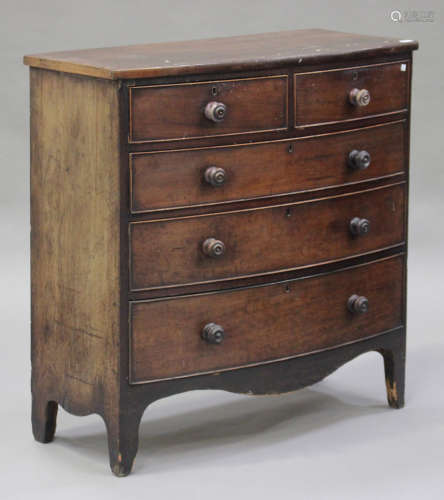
168 112
263 170
248 52
119 298
323 96
169 252
262 323
75 241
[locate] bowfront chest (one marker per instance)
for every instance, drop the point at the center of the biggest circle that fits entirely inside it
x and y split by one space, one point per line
220 214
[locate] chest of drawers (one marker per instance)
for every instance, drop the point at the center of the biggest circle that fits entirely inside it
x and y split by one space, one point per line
220 214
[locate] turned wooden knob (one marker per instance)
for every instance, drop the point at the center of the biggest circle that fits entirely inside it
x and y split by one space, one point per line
215 111
359 160
215 176
213 334
213 247
357 304
359 226
359 97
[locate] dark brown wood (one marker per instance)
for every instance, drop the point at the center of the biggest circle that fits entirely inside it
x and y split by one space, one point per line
83 171
123 439
44 418
178 111
274 378
249 52
286 375
394 366
169 253
255 280
262 323
284 199
323 96
263 170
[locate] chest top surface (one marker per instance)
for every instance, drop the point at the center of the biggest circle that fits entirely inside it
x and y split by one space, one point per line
301 47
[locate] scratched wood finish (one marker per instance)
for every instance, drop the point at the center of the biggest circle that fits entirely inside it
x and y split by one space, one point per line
76 272
177 111
169 252
323 96
80 186
75 267
250 52
262 323
290 374
263 170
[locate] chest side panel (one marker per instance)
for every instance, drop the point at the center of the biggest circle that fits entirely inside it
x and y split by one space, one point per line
75 217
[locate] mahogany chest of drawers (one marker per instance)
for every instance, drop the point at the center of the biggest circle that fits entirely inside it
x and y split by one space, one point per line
220 214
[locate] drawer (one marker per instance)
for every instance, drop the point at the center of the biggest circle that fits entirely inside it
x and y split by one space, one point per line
188 250
214 175
324 96
170 337
204 109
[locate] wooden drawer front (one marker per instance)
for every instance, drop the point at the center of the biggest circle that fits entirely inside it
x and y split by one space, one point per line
263 323
177 179
258 241
177 111
323 96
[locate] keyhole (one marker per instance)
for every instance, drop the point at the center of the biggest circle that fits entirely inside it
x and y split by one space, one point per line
290 148
355 75
288 212
213 91
287 288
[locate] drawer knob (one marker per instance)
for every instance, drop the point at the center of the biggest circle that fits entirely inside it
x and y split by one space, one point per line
215 111
359 226
213 334
213 247
215 176
359 97
357 304
359 160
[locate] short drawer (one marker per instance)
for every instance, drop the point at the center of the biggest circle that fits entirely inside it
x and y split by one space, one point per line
202 333
205 109
230 245
329 96
213 175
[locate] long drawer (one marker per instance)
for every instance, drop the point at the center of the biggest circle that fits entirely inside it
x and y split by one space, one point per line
195 334
190 110
206 248
212 175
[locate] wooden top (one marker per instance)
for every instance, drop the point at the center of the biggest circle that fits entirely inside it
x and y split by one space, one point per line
220 54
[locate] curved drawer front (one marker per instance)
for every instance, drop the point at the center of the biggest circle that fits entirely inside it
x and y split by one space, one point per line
182 111
265 323
182 251
324 96
180 178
